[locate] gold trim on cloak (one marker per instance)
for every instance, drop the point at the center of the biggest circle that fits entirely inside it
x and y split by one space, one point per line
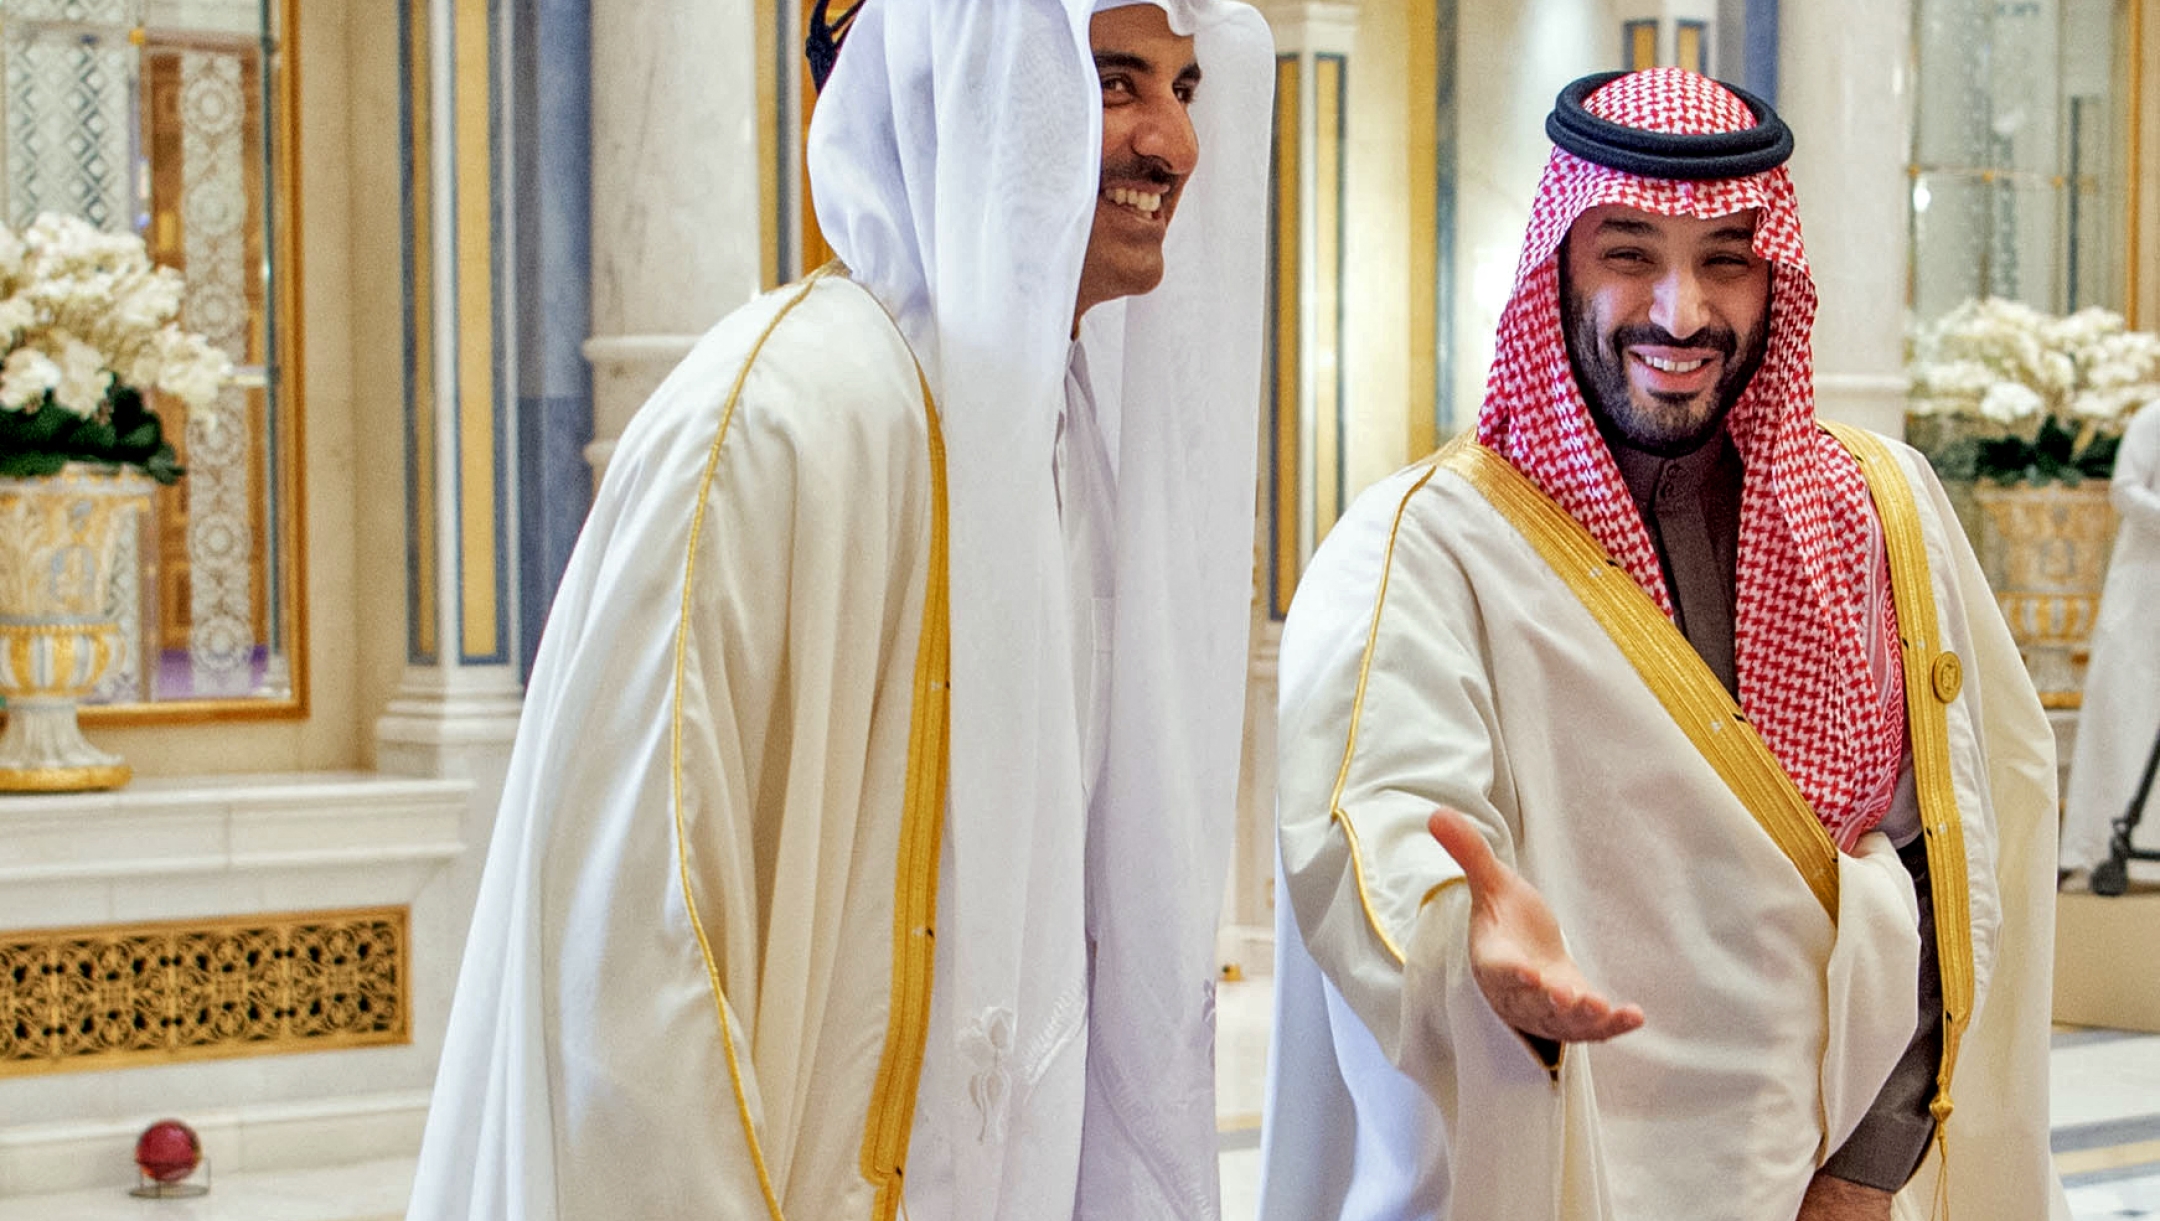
1933 678
1336 813
1668 664
892 1105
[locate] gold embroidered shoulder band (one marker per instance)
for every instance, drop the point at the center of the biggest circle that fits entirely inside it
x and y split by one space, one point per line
1933 678
922 824
1668 664
892 1101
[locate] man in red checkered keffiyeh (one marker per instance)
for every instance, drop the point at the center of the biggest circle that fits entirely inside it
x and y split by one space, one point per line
1767 1035
1815 638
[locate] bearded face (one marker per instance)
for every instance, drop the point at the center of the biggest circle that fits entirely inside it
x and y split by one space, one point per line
1667 319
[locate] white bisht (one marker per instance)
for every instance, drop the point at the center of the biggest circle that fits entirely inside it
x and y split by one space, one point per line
2121 714
1492 632
1395 1093
725 705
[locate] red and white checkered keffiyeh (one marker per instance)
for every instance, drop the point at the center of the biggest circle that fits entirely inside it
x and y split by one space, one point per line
1815 635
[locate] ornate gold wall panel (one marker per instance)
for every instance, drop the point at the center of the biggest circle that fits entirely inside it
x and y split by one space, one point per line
122 996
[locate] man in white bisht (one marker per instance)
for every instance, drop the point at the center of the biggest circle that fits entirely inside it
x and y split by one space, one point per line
1751 798
2121 714
742 950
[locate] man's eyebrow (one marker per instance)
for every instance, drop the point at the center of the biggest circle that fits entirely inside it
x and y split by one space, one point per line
1126 61
1106 61
1628 226
1734 233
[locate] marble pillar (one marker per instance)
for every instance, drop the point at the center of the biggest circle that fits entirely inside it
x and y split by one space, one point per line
1845 85
456 708
1304 426
675 199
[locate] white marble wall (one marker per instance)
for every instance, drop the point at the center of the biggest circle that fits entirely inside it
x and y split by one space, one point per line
1845 86
676 242
253 845
1542 44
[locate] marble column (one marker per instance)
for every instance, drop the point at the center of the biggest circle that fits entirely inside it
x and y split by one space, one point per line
675 205
454 715
1303 427
1845 85
456 709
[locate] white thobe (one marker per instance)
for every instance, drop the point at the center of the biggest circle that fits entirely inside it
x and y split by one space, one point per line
1086 483
2121 714
1395 1093
724 701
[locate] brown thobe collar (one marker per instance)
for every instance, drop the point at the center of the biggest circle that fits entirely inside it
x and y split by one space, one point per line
1691 506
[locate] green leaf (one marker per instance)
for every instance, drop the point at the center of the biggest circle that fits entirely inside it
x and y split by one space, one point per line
141 439
21 465
164 466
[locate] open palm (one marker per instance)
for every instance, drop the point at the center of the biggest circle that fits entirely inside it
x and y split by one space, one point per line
1516 952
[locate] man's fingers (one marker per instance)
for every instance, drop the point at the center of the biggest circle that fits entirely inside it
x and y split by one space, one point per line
1570 1012
1460 838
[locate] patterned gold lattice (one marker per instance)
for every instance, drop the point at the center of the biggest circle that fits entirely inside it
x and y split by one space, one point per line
120 996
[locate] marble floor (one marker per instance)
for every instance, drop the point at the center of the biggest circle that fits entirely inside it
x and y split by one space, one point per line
2104 1108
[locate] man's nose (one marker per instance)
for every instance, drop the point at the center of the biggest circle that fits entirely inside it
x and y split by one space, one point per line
1679 305
1166 134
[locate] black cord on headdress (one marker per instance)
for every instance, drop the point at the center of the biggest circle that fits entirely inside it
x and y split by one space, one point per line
1657 154
826 35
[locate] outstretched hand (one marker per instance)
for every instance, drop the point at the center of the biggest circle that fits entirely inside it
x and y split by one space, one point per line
1516 953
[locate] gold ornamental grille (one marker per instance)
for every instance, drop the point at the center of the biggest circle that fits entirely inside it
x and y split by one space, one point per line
120 996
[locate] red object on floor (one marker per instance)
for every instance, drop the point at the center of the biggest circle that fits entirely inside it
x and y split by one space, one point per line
168 1151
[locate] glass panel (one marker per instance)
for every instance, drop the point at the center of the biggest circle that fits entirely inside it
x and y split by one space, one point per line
2019 147
1987 234
161 116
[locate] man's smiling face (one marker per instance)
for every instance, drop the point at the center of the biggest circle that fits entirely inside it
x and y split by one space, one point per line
1667 319
1149 148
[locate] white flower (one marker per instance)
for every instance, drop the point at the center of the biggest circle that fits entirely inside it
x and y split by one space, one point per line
16 315
1966 378
83 377
82 310
25 378
191 370
2011 402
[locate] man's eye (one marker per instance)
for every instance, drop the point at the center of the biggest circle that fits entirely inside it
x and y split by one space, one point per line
1185 94
1117 85
1628 256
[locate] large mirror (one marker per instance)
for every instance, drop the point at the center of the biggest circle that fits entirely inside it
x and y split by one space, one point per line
173 119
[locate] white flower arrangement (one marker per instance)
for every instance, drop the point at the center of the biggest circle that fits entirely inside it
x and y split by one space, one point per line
2038 397
88 324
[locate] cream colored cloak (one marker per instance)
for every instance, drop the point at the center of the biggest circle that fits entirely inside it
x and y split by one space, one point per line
1435 657
678 999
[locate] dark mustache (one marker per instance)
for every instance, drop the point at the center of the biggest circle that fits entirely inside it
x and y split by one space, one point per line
1143 169
1719 338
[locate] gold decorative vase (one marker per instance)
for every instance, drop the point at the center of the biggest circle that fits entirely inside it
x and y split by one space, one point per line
2044 549
59 536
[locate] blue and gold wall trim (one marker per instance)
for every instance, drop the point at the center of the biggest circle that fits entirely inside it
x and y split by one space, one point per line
455 216
551 110
1306 376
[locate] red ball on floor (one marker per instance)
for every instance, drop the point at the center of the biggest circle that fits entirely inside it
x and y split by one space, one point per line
168 1151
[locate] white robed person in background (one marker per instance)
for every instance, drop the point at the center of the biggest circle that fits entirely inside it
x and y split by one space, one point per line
743 948
1680 958
2120 716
